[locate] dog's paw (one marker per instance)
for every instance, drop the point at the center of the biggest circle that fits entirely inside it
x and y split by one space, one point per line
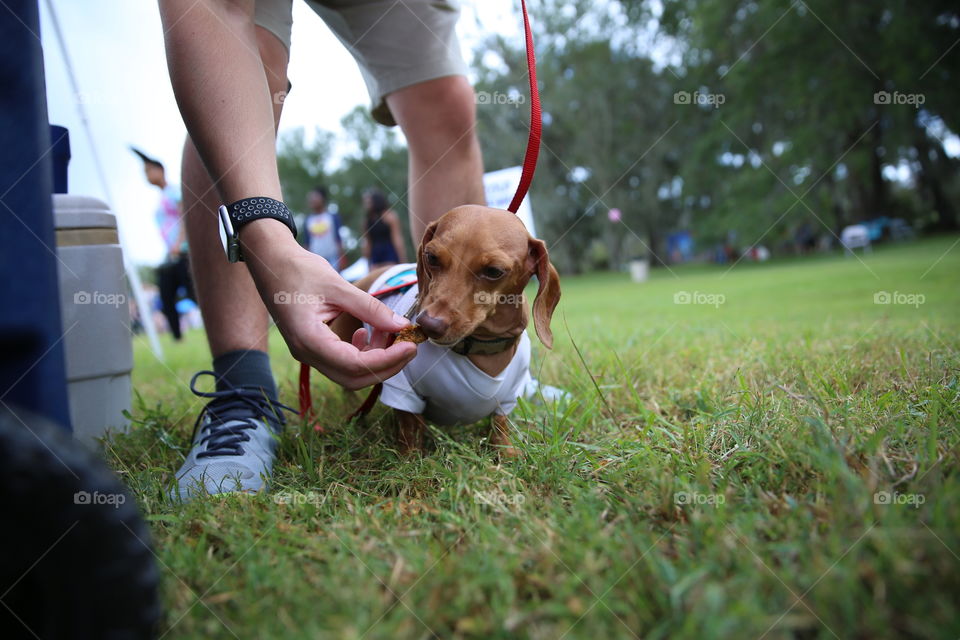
508 453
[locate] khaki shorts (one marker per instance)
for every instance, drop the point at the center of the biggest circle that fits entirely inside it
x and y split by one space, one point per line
396 43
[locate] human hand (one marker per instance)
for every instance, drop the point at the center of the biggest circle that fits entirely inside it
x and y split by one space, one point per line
303 293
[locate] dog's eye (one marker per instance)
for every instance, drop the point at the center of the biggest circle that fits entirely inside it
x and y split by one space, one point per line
492 273
432 259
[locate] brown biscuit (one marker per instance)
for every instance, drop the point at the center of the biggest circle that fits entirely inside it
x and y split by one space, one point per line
413 334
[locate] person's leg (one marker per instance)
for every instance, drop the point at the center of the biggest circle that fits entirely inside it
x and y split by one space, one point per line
167 283
183 277
233 314
411 62
234 448
32 365
438 118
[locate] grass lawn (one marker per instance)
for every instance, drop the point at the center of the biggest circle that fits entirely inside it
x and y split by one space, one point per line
776 459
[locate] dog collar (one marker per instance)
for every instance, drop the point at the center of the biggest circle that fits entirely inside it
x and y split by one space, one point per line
478 346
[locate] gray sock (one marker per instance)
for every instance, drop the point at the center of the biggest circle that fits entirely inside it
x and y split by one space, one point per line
245 368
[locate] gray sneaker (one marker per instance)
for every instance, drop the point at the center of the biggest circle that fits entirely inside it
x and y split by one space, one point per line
234 443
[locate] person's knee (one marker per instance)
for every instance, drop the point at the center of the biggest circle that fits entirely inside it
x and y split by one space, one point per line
275 57
456 114
441 118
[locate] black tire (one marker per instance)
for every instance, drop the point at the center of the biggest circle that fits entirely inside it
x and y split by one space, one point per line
75 556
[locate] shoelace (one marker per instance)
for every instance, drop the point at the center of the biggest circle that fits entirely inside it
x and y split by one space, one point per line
236 405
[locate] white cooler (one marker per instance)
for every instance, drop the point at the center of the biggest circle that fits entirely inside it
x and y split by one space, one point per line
94 304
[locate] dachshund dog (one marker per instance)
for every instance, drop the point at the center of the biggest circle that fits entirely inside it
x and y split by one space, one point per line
472 267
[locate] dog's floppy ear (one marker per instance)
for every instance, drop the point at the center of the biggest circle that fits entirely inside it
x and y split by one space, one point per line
548 290
422 274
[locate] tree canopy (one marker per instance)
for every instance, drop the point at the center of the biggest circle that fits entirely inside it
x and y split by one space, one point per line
724 119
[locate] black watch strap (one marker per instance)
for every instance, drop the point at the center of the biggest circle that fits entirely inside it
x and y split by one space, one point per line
235 215
249 209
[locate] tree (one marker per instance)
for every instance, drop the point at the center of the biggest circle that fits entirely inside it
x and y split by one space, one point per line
811 93
374 158
723 118
607 140
301 164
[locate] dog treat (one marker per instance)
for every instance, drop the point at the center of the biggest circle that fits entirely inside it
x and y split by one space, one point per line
413 334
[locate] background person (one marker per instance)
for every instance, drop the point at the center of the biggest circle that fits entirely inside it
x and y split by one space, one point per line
173 275
382 232
323 229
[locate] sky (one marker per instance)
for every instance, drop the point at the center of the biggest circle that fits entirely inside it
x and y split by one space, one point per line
116 50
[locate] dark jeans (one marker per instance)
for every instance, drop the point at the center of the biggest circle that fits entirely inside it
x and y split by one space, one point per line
32 374
171 276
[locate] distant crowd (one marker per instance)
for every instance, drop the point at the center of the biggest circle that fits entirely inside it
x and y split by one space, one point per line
172 302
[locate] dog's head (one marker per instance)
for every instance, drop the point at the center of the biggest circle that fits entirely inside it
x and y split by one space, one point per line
472 267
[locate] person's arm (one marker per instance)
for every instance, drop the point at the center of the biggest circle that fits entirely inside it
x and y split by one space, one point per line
181 233
396 234
220 87
222 92
177 248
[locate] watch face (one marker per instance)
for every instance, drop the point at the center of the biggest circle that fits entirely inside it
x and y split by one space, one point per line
228 237
223 236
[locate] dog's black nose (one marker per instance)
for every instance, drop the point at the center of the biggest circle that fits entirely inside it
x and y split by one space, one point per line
433 327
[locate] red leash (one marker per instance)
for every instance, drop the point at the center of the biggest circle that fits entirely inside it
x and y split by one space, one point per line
536 119
526 177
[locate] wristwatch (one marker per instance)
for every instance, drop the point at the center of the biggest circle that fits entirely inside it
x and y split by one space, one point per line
234 216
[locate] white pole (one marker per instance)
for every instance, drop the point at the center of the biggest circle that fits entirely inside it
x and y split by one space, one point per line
135 285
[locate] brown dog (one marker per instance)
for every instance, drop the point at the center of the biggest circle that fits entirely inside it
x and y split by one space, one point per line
472 267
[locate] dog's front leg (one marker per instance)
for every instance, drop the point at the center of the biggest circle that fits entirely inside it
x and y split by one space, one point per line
500 437
410 428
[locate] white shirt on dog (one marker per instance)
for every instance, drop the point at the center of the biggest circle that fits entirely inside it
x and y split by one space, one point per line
443 386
